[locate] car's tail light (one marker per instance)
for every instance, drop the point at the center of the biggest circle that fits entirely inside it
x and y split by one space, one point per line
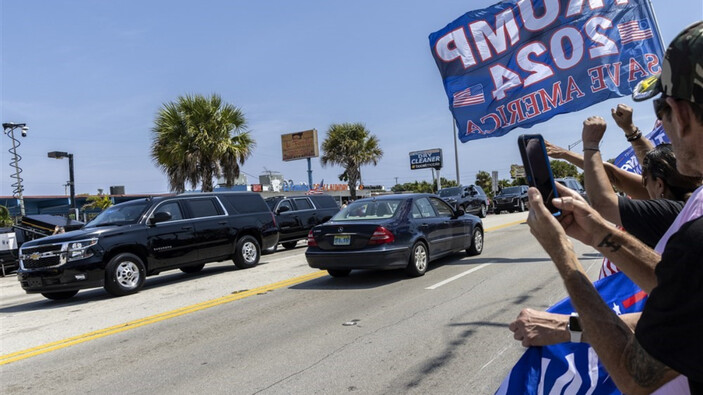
311 240
381 236
273 217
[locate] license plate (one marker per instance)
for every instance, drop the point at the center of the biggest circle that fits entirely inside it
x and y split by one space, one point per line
34 282
342 240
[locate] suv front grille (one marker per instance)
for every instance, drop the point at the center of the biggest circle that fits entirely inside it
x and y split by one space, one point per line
42 256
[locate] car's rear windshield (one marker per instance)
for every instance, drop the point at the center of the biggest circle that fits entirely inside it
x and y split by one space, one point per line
510 190
449 192
368 210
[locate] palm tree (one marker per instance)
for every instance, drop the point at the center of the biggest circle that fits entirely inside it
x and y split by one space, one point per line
197 138
5 218
350 145
100 202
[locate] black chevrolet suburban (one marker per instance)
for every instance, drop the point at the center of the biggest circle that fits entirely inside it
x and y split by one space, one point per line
132 240
296 215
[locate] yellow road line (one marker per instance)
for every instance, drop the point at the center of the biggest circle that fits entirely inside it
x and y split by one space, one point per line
57 345
492 228
19 355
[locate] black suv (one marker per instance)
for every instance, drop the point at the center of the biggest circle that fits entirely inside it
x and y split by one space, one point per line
471 199
511 199
296 215
132 240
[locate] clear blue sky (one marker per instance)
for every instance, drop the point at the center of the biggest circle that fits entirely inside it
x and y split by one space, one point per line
88 77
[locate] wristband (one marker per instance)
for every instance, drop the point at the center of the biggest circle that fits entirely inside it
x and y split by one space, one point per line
575 328
591 148
637 130
635 137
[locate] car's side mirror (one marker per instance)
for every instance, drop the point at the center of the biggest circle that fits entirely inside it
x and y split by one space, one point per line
282 209
458 213
161 216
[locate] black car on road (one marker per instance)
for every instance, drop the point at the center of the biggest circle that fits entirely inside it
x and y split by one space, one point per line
472 199
131 240
393 231
296 215
511 199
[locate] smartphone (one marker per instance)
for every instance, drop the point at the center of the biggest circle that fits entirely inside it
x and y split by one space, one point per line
537 169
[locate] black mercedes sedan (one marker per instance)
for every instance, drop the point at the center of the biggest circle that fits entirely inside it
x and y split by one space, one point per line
390 232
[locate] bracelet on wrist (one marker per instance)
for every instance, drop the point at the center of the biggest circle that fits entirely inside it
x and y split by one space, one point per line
635 137
633 134
591 148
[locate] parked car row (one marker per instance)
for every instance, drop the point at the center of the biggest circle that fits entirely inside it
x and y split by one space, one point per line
130 241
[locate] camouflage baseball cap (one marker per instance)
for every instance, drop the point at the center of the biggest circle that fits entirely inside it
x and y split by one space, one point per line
682 69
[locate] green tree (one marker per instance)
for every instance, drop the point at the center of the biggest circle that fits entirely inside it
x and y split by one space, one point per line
562 169
447 183
99 202
5 218
350 145
198 138
485 181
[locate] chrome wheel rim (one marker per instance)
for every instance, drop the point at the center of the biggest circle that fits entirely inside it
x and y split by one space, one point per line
420 257
478 240
249 252
127 274
483 210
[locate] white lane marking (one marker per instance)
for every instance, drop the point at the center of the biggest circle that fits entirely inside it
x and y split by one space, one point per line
458 276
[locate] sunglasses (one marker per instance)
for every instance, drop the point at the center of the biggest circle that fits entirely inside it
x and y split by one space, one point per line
660 107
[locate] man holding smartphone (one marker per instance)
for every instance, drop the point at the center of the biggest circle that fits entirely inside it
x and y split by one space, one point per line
665 352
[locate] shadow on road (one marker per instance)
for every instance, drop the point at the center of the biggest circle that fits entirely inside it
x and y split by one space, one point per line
94 294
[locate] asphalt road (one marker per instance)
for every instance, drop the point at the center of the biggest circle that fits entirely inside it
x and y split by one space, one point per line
283 328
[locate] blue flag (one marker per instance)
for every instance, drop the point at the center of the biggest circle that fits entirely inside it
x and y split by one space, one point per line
572 368
519 63
627 160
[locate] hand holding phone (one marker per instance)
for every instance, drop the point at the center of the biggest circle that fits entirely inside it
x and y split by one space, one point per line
537 169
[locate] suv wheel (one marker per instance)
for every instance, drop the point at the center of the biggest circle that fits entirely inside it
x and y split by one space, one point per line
192 268
59 295
522 206
339 272
482 211
289 245
124 274
247 252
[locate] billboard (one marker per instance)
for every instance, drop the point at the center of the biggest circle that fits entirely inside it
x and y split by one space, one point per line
426 159
300 145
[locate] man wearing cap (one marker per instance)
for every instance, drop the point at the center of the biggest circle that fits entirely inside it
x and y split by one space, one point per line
665 352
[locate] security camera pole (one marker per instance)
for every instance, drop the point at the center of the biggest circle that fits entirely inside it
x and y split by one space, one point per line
9 129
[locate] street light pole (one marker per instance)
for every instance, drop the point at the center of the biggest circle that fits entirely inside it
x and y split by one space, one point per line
72 182
9 129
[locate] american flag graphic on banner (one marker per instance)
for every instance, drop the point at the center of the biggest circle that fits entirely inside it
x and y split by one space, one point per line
634 31
469 96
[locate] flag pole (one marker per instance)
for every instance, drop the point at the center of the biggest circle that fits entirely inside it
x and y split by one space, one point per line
656 23
456 153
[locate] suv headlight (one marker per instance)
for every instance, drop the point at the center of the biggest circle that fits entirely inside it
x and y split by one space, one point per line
80 249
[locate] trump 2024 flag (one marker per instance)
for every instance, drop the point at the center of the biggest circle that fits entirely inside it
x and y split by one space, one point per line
521 62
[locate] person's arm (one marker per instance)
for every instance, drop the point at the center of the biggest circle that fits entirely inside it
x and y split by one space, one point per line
633 370
622 115
541 328
628 182
557 152
600 192
582 222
